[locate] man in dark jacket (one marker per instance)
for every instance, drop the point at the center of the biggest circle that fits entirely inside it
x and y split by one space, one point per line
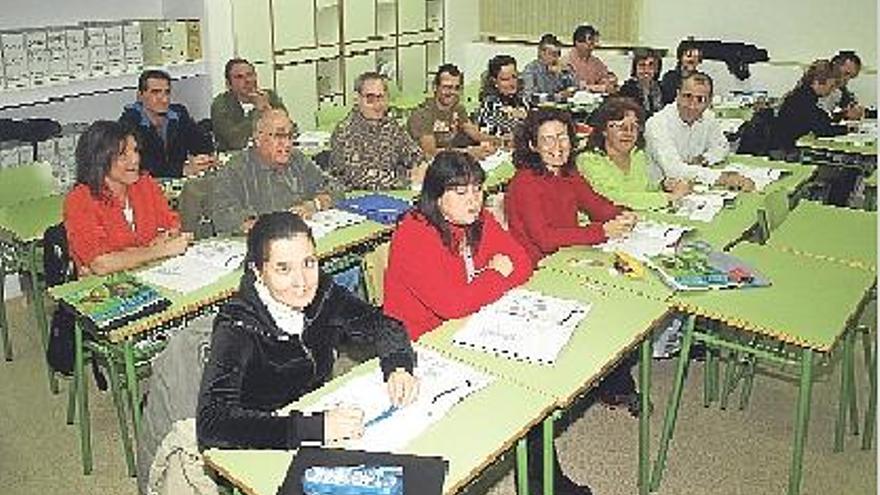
171 144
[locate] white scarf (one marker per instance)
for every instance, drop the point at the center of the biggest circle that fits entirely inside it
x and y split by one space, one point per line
291 321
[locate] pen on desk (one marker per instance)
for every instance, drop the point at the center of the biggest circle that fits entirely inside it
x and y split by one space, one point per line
381 416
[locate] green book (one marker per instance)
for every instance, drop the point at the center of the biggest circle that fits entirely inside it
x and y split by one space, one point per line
119 299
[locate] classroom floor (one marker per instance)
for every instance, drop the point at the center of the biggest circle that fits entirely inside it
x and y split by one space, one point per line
713 452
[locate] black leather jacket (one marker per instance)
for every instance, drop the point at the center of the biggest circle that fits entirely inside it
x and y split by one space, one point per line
255 368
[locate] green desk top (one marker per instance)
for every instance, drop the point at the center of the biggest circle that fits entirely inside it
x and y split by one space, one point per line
829 144
332 244
617 321
499 176
798 173
596 265
26 221
727 226
839 234
871 181
471 436
808 304
733 112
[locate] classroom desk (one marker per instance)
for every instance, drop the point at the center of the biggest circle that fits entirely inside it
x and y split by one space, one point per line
812 143
21 229
809 306
121 341
838 234
728 226
617 322
595 265
465 436
797 173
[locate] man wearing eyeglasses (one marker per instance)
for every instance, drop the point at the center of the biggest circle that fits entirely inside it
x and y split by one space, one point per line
548 76
370 150
684 139
270 176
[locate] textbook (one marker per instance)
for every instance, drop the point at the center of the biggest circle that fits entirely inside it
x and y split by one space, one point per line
116 301
377 207
324 471
695 266
201 265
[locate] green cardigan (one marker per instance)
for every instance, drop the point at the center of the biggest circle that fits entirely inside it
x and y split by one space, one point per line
231 126
633 190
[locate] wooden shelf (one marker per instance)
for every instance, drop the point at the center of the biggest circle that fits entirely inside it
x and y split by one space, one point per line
54 93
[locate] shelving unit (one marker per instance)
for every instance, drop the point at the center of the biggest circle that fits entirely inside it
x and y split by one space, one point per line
56 93
316 64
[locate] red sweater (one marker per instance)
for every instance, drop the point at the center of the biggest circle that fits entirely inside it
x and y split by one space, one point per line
97 226
426 283
542 212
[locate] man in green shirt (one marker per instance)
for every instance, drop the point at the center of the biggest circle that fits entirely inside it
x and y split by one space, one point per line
233 112
270 176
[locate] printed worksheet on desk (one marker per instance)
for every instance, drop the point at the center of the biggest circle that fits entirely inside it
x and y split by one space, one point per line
523 325
496 159
703 206
761 176
202 264
443 383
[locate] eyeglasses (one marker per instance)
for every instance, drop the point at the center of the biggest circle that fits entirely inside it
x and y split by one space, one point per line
701 99
551 140
622 126
374 97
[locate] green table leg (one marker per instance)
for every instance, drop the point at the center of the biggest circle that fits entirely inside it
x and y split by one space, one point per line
549 453
845 391
40 310
82 385
673 404
131 384
4 324
853 396
645 353
802 418
871 409
119 404
522 467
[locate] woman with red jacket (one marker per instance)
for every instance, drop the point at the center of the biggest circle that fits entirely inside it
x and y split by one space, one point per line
449 256
547 192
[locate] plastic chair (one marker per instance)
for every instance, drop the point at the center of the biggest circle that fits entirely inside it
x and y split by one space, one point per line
328 117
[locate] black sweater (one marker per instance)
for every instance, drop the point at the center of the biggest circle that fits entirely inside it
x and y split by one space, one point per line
255 368
184 138
800 115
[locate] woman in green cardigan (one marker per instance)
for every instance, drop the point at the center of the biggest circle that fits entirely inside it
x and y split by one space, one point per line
617 167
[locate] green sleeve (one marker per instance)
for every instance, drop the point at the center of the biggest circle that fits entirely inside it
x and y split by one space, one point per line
597 169
230 129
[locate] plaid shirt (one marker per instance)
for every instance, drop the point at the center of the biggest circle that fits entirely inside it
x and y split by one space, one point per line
372 155
494 116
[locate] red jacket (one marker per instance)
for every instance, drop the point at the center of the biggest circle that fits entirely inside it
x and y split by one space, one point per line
97 226
426 283
542 212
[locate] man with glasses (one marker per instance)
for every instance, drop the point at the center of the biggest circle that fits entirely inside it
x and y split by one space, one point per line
270 176
548 77
233 111
441 122
684 138
370 150
171 144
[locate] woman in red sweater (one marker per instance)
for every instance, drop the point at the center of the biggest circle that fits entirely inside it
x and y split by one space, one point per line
545 196
449 256
116 217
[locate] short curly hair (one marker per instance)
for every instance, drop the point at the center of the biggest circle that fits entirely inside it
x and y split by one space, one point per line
613 110
526 138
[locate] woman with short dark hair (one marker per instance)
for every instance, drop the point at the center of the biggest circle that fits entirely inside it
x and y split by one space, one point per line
116 217
643 86
616 165
276 340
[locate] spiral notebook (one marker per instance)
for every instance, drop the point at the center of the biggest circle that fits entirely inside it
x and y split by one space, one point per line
523 325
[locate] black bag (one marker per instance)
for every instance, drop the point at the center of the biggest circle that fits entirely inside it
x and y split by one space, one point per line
58 269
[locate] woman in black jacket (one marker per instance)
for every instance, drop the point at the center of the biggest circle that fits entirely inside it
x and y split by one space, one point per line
643 86
276 340
800 113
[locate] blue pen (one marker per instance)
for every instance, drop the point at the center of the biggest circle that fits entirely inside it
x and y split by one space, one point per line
382 416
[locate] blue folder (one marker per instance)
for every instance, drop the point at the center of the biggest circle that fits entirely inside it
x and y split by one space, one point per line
377 207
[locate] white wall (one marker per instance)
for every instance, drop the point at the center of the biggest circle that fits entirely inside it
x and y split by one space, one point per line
25 13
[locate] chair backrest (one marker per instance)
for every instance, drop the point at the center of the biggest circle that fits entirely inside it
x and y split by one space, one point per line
196 202
26 182
375 262
772 213
326 118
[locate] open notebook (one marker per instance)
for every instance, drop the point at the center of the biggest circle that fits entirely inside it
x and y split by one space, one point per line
202 265
523 325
